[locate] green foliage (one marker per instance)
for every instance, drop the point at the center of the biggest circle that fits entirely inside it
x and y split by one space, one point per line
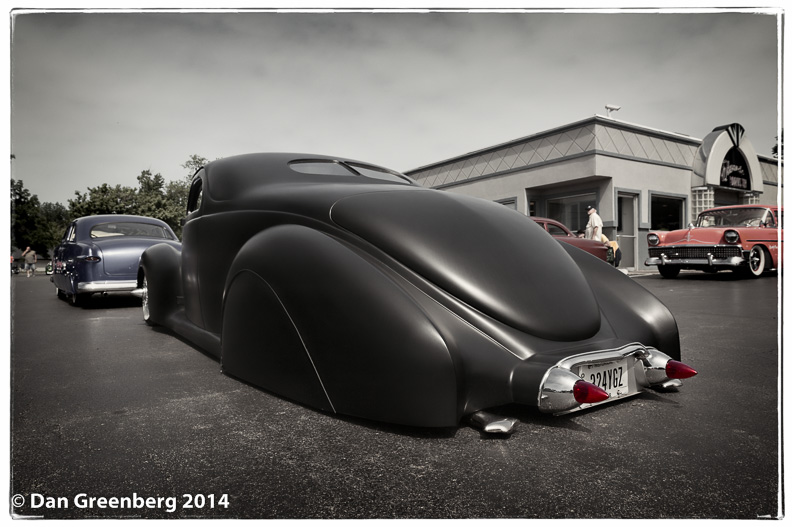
33 224
27 222
193 164
56 218
42 226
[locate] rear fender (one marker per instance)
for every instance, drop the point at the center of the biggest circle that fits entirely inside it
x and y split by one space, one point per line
635 314
307 317
161 265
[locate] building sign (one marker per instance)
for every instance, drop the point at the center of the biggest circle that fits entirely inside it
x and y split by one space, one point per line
733 171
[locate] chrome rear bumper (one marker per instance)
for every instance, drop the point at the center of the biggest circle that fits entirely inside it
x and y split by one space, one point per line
645 368
106 286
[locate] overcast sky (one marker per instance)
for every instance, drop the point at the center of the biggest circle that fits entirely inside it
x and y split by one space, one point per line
99 97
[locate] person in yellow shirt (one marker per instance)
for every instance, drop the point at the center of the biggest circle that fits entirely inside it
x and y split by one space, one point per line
617 254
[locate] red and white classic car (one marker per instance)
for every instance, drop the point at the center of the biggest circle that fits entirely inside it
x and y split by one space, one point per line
745 238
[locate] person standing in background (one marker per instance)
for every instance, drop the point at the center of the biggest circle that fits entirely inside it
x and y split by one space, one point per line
594 225
617 254
30 261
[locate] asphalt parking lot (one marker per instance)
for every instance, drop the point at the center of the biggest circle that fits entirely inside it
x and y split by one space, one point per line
112 418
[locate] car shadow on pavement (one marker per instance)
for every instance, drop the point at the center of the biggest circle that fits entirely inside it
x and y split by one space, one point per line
529 416
107 301
721 276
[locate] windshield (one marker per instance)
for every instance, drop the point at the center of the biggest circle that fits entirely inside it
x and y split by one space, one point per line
751 217
128 228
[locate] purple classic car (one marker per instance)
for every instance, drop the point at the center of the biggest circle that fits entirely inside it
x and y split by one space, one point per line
349 288
100 254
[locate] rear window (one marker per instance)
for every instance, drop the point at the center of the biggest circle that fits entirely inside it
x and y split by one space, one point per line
129 228
334 168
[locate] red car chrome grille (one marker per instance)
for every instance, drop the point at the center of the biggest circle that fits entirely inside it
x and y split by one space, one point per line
682 253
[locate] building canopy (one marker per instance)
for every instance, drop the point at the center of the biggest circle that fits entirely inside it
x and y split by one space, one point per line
727 159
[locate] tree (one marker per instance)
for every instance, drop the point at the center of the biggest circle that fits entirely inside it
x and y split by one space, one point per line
157 200
33 224
56 218
41 226
177 192
103 199
193 164
25 217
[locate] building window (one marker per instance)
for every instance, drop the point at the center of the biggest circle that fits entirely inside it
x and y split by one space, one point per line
703 199
571 211
667 213
509 202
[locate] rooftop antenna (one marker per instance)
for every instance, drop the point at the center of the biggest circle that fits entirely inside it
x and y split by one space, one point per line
612 108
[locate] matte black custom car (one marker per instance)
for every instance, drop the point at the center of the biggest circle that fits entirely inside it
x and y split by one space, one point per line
100 254
351 289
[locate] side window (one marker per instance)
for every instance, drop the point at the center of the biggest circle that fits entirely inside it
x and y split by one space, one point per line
196 195
770 220
71 233
556 230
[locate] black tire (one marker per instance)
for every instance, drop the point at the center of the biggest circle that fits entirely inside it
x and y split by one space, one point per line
668 271
78 300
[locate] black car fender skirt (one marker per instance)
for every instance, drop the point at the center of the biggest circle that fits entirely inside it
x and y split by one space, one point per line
161 266
307 317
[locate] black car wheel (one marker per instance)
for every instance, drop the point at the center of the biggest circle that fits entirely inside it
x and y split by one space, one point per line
668 271
77 300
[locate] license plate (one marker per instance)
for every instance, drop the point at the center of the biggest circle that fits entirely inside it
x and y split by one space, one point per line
613 377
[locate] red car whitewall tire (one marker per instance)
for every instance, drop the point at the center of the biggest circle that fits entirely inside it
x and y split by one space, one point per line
756 262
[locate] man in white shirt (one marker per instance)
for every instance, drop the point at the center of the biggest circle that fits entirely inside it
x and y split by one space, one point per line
594 225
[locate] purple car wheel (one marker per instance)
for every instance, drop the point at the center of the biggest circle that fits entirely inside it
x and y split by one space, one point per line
145 298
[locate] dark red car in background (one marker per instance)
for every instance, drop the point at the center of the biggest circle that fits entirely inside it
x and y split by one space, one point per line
559 231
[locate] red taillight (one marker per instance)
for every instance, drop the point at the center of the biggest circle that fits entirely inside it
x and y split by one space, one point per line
585 392
677 370
92 258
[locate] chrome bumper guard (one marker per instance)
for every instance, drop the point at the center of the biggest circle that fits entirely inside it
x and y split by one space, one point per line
645 368
734 261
